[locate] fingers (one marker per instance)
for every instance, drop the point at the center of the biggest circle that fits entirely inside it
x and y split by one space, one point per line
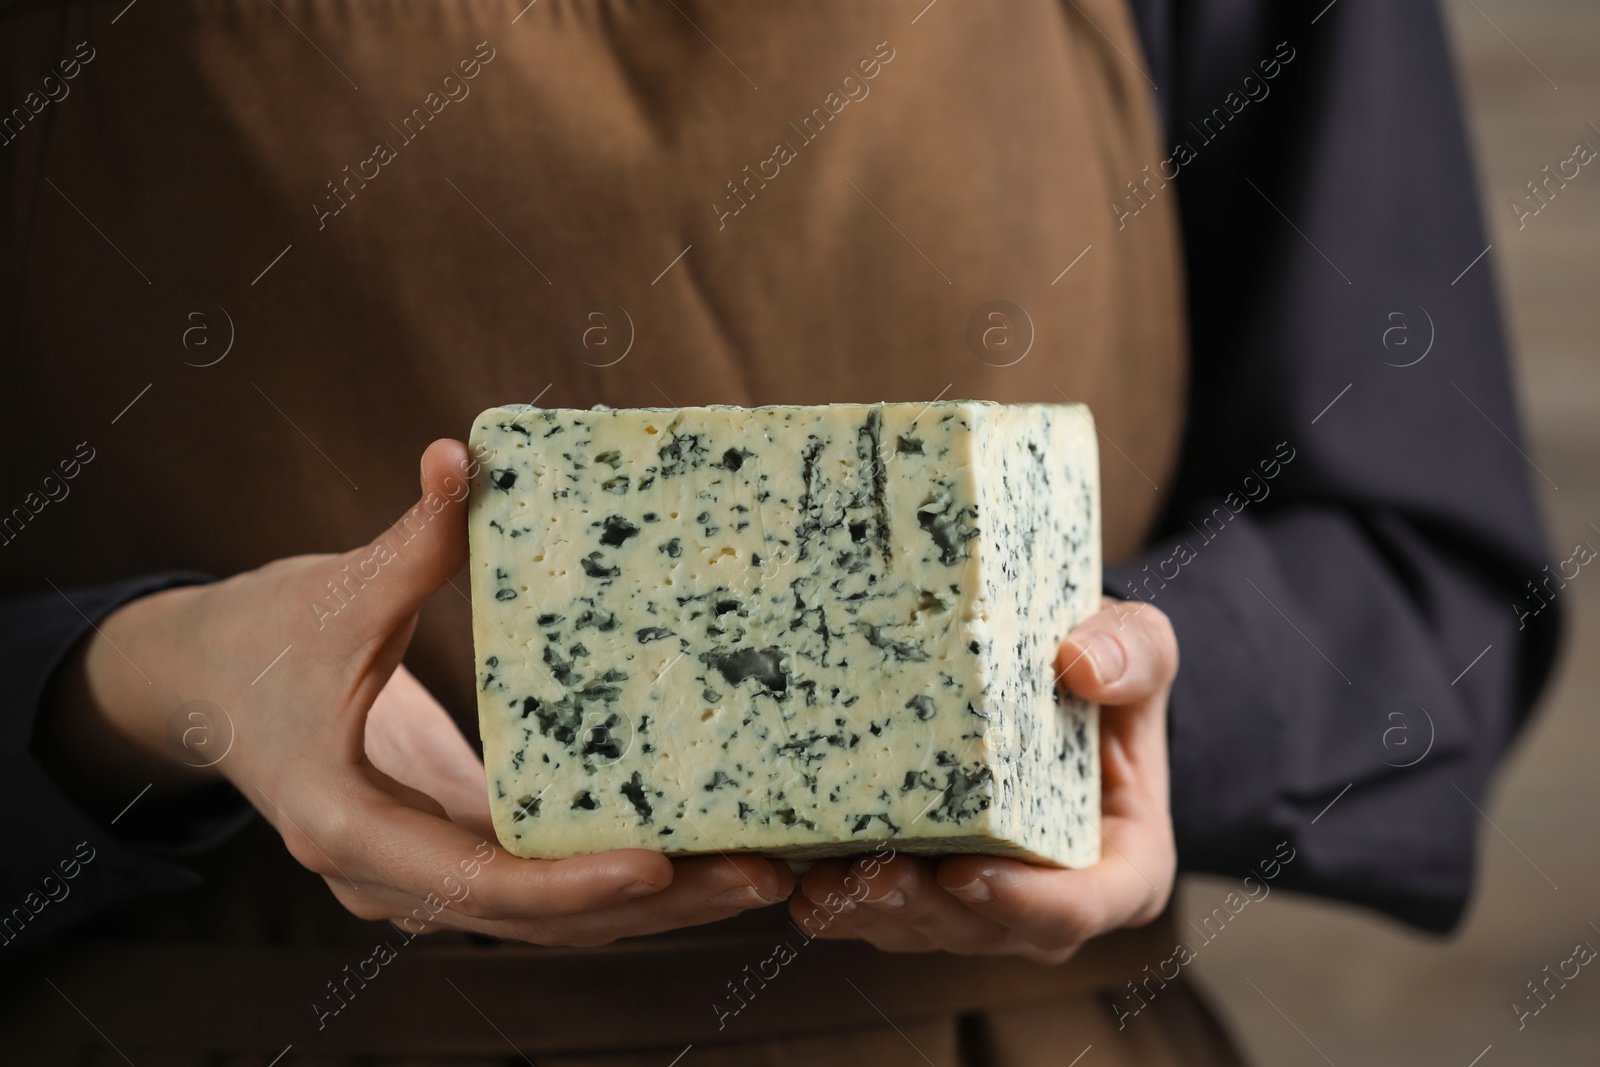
702 891
386 581
900 907
1119 655
1055 909
366 836
385 843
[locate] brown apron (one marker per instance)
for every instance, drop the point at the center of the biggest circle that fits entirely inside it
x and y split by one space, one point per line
258 255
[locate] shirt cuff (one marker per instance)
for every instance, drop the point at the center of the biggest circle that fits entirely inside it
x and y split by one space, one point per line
61 866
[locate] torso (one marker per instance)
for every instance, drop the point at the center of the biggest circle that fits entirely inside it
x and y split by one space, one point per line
583 170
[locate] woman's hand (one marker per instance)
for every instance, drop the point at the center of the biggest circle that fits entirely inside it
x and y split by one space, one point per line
1124 658
412 739
346 755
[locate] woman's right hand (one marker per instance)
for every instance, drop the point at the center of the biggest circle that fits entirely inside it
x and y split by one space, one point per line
299 749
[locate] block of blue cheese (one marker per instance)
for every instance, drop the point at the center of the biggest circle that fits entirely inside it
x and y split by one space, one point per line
789 630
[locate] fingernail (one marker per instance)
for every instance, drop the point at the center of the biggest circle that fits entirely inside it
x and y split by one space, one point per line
1106 655
976 891
640 889
891 900
744 896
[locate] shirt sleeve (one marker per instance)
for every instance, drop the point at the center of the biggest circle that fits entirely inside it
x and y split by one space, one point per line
1351 552
60 867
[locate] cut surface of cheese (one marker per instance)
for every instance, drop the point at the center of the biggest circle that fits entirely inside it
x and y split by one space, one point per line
792 630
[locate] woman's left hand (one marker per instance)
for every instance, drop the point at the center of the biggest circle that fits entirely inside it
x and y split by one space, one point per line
1124 658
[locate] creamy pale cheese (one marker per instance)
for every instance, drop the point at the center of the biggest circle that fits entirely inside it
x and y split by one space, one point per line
794 630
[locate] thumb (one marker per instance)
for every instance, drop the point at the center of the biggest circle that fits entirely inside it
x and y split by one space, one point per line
388 579
1119 655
